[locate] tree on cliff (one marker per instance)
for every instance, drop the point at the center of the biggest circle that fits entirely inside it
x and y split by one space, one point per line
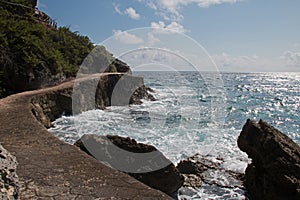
34 54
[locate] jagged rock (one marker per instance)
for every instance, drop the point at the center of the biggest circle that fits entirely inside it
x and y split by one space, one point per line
199 169
196 165
9 181
118 66
275 169
142 92
143 162
192 180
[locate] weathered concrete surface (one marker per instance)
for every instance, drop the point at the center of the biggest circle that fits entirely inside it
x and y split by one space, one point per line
51 169
9 180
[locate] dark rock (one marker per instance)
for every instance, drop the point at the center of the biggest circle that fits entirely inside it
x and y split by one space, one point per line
142 92
199 169
9 181
196 165
21 79
143 162
87 94
118 66
275 169
192 180
48 107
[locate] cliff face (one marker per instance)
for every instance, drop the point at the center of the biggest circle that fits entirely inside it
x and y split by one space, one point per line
275 169
93 92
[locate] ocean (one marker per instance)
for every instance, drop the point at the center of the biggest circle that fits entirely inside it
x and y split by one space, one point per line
193 115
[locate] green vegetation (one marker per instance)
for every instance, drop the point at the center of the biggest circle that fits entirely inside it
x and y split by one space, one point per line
34 53
28 47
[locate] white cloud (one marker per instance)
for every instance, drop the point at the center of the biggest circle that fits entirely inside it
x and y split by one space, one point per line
291 58
155 59
127 38
208 3
117 9
227 60
131 12
170 9
254 63
173 27
287 62
152 5
152 39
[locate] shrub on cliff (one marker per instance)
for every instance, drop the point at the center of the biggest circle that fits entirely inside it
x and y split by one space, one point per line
34 55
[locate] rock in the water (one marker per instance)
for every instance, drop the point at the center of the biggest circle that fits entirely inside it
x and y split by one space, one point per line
209 172
142 92
9 181
143 162
196 165
275 169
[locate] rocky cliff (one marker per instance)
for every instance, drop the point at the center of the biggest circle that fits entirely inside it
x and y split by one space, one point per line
35 54
93 92
275 169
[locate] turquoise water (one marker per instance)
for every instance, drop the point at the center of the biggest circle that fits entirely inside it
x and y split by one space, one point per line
197 113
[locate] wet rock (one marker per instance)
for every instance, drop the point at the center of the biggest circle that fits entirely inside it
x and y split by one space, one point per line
9 181
275 169
142 92
192 180
199 170
141 161
196 165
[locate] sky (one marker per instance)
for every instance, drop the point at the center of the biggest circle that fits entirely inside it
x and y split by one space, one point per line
235 35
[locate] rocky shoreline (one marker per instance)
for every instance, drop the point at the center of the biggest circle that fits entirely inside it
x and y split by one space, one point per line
51 169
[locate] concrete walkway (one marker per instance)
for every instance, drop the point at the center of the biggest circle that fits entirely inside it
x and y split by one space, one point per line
51 169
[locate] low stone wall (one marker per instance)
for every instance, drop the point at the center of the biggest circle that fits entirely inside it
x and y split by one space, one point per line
51 169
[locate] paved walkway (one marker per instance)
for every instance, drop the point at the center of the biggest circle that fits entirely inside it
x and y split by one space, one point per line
51 169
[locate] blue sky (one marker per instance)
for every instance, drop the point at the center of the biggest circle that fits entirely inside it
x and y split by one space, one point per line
239 35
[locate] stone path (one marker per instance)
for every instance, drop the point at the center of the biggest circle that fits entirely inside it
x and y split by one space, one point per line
51 169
